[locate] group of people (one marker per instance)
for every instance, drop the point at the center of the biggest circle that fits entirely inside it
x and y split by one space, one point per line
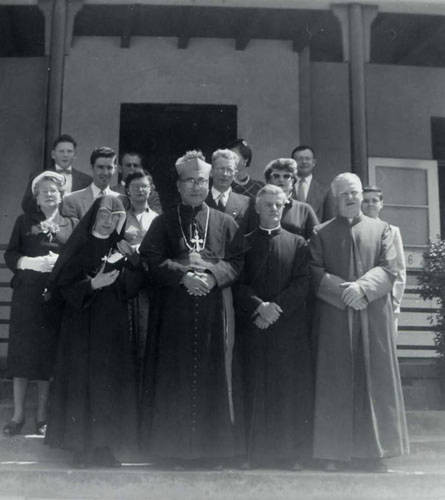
252 324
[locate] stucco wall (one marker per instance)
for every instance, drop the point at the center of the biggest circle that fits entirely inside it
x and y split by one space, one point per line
401 102
262 81
330 127
22 115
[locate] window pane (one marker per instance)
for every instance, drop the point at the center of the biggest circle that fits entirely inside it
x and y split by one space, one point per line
413 223
403 186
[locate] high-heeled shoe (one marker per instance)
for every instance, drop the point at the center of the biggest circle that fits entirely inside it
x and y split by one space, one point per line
13 428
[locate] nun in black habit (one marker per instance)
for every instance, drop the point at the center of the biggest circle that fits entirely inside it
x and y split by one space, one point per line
93 401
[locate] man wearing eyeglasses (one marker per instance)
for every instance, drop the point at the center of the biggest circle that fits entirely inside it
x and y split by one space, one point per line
221 195
194 253
129 163
298 217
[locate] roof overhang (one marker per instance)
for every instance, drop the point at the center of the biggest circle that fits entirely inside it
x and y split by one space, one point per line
432 7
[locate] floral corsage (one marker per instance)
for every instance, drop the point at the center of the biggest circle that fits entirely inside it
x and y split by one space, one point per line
50 229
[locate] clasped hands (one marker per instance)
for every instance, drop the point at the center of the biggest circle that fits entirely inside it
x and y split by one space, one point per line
353 295
266 314
198 283
103 279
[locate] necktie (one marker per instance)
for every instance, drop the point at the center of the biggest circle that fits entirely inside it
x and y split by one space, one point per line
220 204
101 193
300 191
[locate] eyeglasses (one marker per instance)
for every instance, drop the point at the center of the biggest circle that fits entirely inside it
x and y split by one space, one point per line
275 176
191 181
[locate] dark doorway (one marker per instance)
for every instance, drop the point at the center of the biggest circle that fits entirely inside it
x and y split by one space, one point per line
164 132
438 147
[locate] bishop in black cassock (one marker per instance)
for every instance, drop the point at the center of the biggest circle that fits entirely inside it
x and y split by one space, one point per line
271 303
193 254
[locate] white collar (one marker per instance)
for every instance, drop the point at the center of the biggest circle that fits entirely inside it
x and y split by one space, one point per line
217 195
271 230
60 169
97 191
307 179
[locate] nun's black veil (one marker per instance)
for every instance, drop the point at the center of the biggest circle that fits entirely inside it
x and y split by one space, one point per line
83 233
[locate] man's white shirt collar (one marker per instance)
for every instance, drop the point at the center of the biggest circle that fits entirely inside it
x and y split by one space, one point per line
221 195
97 192
64 170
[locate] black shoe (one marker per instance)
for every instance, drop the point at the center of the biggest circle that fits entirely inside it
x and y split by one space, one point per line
102 457
41 428
13 428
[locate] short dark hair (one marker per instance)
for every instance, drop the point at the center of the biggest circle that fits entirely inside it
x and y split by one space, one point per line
286 164
64 138
131 153
138 175
244 149
373 189
302 147
102 152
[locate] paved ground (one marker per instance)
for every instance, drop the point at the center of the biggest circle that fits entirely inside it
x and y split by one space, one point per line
29 470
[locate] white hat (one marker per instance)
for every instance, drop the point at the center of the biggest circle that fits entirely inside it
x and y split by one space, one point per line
59 179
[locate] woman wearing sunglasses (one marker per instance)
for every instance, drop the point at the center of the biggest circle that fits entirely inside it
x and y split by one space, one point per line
298 217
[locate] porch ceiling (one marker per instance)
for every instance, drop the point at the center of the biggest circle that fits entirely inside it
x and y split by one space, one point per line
407 39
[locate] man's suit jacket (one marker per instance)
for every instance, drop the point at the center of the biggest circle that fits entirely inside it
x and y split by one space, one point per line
239 207
77 203
320 199
80 181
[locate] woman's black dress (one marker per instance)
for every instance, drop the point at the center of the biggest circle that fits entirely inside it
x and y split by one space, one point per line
32 338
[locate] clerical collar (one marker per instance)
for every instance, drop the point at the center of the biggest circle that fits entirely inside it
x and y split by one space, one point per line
272 231
351 221
99 236
243 182
60 169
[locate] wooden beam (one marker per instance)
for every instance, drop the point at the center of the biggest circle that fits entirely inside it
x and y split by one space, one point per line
128 23
248 26
184 33
74 7
306 33
46 6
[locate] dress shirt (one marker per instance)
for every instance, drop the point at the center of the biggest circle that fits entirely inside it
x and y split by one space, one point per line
100 192
222 197
137 225
67 173
306 185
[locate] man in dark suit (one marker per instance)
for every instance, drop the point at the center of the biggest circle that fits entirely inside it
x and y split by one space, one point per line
63 155
221 196
103 165
307 188
130 162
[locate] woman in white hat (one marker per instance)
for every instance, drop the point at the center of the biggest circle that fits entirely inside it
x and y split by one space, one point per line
33 248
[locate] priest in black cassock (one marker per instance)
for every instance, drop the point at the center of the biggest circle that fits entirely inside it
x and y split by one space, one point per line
193 254
271 308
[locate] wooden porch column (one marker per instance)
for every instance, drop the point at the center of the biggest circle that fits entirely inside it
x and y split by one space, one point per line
56 21
304 77
355 20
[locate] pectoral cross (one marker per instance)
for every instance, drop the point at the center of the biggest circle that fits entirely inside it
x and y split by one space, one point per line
196 241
